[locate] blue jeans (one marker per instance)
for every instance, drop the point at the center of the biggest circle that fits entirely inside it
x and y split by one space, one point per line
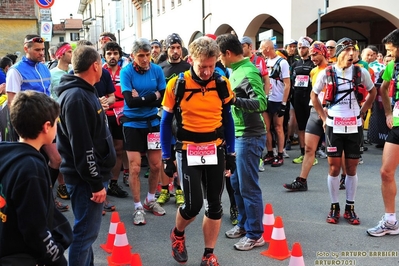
88 215
245 182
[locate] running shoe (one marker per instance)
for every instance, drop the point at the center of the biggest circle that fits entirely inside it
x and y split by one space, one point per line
235 232
315 161
209 260
233 215
342 182
333 215
179 251
139 217
297 185
116 191
298 160
384 228
261 168
351 216
278 161
321 154
268 159
154 207
126 178
246 243
164 197
285 154
179 197
62 192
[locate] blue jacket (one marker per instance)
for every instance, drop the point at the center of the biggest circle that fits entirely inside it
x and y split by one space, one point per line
35 75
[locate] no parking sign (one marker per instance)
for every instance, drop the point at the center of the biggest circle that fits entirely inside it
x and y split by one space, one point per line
45 3
46 30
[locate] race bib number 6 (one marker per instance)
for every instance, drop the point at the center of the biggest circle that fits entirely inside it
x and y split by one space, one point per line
201 154
154 141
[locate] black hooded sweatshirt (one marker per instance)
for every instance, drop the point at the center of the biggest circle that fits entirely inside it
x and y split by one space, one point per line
26 199
83 137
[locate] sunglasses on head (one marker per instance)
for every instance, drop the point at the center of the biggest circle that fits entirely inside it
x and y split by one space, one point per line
347 43
106 38
35 39
330 47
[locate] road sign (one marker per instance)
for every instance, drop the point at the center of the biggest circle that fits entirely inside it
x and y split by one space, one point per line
46 30
45 3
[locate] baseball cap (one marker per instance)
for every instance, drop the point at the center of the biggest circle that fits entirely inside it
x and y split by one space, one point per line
246 39
292 41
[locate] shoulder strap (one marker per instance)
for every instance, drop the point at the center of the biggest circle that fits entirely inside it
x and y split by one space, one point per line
255 59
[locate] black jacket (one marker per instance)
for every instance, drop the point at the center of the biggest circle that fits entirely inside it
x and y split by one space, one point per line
26 199
83 138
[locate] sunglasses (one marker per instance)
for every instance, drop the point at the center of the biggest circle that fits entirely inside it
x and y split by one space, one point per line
330 47
348 43
106 38
35 39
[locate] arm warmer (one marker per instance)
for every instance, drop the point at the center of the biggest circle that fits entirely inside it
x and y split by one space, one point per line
166 134
229 131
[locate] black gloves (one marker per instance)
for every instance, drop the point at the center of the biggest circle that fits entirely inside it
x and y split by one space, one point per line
169 167
230 163
281 112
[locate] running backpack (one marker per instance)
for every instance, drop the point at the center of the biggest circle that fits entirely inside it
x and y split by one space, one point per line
331 95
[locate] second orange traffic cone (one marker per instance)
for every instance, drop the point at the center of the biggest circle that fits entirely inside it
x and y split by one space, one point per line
111 233
296 255
121 252
278 247
268 222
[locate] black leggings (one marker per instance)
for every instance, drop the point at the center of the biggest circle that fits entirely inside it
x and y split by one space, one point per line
200 181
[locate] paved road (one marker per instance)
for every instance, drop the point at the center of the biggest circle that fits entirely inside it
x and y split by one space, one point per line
303 215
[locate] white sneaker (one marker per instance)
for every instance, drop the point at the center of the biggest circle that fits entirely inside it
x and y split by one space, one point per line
246 243
275 152
261 168
285 154
384 228
321 154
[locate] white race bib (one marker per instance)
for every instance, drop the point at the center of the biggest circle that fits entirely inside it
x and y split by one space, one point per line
202 154
301 81
154 141
345 125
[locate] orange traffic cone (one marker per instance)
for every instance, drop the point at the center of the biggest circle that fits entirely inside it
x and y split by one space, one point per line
136 260
111 233
278 247
121 252
268 222
296 255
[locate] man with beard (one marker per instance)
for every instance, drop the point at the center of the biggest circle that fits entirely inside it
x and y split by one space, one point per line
301 86
343 124
112 54
171 68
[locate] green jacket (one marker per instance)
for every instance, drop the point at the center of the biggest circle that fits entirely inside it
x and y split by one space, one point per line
247 85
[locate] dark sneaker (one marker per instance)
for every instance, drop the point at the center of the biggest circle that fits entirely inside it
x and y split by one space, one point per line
61 207
268 159
384 228
351 216
179 251
333 215
210 260
278 161
297 185
342 182
126 179
233 215
62 192
108 207
115 190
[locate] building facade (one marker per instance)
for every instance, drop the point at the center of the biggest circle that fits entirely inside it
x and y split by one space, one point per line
367 21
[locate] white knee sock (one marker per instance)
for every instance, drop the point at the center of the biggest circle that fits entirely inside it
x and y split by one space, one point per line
333 187
351 187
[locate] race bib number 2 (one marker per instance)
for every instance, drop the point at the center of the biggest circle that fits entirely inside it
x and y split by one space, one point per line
201 154
154 141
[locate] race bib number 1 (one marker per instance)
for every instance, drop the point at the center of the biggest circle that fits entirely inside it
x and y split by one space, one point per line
154 141
205 154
